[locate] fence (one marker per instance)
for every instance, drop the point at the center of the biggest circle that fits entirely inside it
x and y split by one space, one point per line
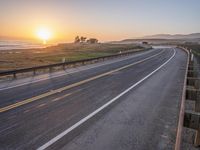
63 65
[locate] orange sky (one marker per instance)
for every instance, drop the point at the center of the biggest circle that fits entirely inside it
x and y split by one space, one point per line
102 19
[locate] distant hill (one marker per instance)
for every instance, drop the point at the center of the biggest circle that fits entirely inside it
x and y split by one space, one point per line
149 40
175 36
163 39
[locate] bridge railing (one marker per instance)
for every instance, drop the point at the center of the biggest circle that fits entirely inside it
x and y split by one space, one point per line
191 92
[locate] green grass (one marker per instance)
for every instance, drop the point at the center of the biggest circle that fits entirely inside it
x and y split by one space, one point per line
16 59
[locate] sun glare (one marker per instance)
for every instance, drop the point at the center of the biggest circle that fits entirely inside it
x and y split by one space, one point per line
44 34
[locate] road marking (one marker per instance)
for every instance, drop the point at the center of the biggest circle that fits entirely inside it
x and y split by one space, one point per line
26 111
59 136
60 98
41 105
5 129
9 107
63 74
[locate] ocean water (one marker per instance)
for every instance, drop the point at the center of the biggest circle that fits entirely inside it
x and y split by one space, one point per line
16 44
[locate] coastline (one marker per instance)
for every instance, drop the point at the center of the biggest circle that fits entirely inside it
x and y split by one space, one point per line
20 44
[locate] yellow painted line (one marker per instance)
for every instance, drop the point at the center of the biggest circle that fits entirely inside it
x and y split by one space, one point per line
9 107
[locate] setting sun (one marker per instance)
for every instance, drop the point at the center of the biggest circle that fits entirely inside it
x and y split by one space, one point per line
44 34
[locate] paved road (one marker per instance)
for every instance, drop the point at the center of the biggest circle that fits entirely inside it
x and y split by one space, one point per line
131 103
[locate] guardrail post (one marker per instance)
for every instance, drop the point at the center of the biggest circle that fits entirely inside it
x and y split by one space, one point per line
14 75
63 66
34 72
50 69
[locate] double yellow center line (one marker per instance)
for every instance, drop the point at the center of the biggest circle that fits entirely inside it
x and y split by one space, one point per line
15 105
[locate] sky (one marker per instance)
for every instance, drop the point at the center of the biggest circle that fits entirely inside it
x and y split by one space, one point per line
106 20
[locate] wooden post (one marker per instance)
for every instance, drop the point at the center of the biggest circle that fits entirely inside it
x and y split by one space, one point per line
34 72
63 66
50 69
14 75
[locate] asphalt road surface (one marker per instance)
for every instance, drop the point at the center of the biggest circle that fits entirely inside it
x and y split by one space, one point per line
126 104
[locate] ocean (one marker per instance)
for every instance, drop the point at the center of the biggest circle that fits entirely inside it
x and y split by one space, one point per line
16 44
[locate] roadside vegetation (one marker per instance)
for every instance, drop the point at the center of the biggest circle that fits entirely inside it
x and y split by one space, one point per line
195 48
16 59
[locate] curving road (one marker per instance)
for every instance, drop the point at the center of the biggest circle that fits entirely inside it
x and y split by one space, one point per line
125 103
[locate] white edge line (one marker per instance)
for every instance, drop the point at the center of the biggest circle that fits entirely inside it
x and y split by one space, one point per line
63 74
59 136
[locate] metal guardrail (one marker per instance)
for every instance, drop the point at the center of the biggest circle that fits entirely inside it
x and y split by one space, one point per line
63 65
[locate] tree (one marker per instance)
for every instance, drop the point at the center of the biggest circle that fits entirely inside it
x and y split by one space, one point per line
92 41
77 39
145 42
82 39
